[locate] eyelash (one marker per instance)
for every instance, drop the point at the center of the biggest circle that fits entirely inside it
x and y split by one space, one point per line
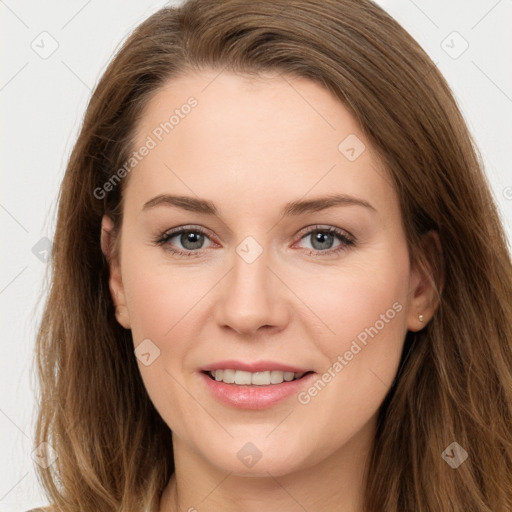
346 240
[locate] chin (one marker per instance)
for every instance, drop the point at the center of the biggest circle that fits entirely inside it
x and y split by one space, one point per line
258 458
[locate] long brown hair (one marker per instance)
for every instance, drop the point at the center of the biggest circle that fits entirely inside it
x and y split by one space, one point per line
455 378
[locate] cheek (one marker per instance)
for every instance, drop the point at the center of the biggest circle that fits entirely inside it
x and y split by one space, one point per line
160 303
159 296
364 301
365 311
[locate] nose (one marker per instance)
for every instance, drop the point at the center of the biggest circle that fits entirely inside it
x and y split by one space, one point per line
252 298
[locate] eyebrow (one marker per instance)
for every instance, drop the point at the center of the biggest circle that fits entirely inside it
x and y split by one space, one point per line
292 208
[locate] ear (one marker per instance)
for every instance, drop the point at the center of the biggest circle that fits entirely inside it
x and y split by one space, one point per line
426 282
115 280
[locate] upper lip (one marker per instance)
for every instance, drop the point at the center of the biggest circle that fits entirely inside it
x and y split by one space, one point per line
259 366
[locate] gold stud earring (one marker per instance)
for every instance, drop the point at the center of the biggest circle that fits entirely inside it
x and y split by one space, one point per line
421 318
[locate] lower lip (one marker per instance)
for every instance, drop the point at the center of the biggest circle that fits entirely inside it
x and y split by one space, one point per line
254 397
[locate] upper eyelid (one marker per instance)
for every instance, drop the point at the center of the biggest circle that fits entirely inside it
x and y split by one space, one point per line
318 227
176 231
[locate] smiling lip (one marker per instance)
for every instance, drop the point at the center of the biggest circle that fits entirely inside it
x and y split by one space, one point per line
259 366
254 397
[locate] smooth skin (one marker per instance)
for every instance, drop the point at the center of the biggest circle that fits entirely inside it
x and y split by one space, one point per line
251 146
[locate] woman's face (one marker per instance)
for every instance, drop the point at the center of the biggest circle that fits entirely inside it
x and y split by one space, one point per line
294 260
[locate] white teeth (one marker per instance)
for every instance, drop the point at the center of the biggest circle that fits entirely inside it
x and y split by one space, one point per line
228 376
276 377
244 378
288 376
260 378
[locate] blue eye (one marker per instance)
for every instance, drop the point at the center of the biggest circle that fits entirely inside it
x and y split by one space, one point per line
322 240
192 239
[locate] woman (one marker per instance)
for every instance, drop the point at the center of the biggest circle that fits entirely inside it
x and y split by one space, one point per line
280 281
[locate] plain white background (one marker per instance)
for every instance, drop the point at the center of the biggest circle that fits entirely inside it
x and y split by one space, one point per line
42 101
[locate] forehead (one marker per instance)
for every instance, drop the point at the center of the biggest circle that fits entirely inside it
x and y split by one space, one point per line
257 132
241 103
